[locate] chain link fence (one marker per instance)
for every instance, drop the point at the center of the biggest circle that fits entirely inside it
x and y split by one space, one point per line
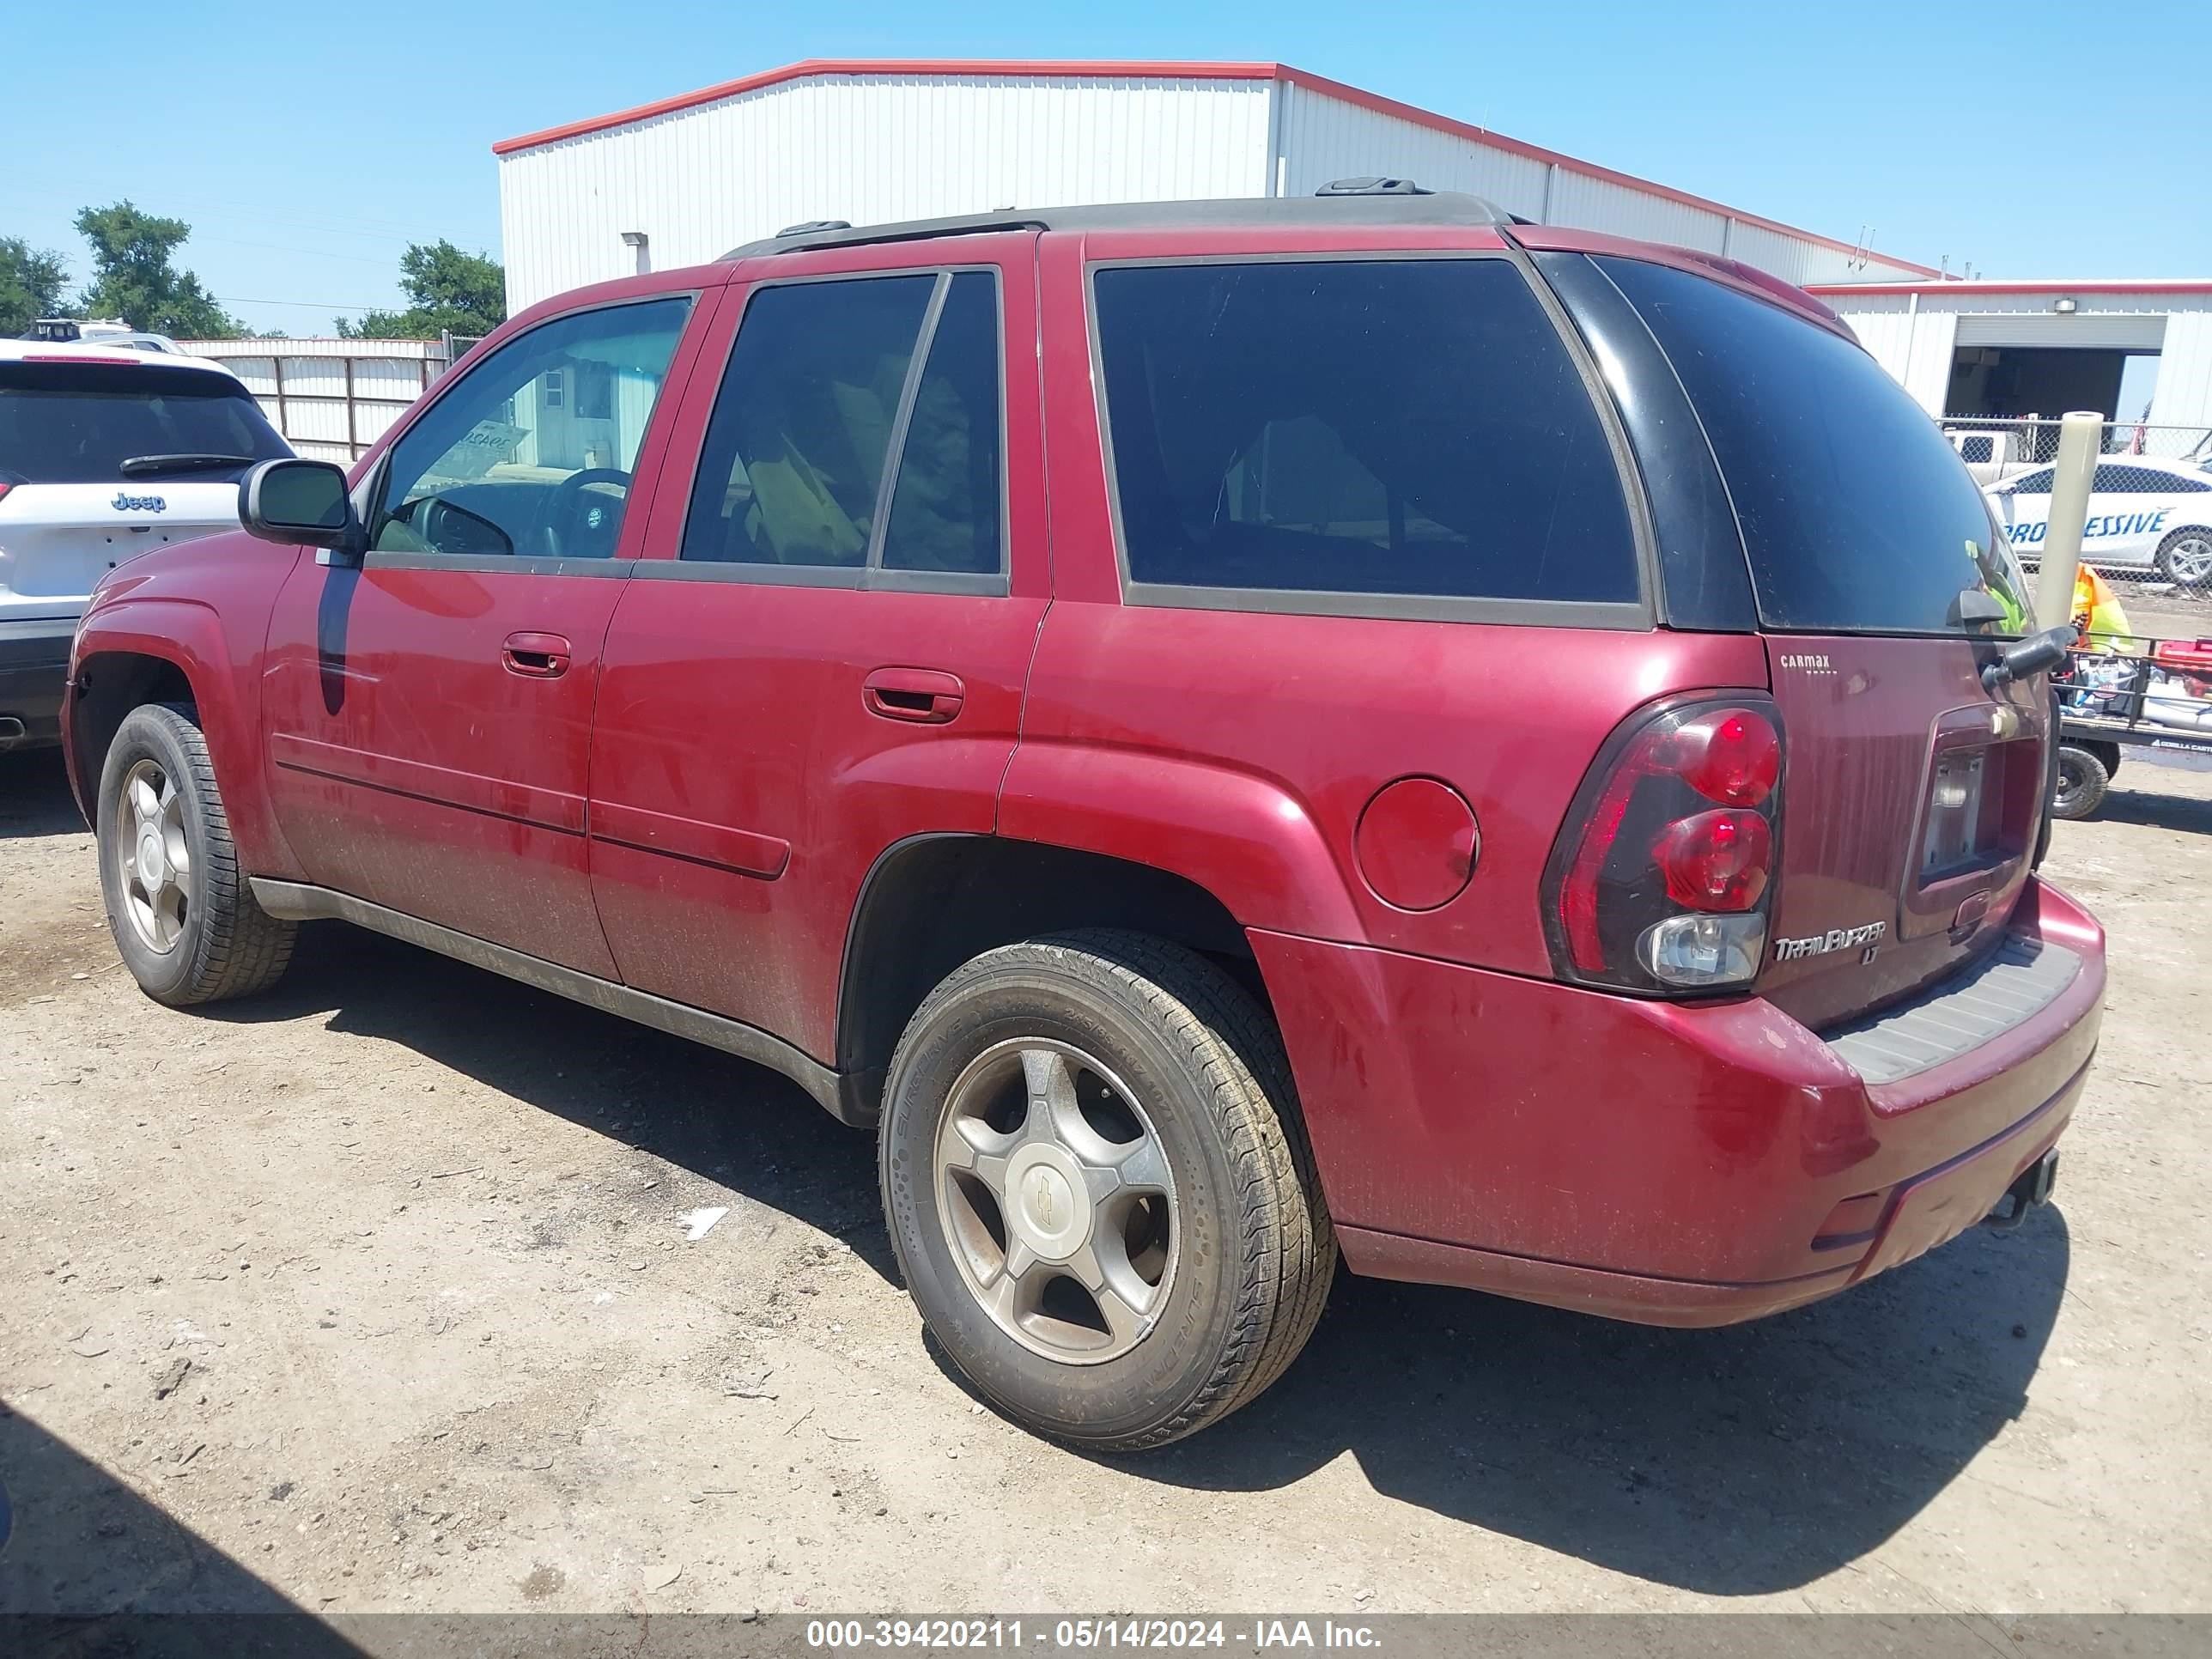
456 346
2152 484
1997 450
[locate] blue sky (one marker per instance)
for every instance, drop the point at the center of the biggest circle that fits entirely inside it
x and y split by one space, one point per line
308 146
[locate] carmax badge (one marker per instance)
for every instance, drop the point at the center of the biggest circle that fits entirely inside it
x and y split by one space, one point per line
1836 939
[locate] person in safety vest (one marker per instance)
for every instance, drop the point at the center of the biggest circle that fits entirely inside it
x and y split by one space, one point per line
1992 576
2098 614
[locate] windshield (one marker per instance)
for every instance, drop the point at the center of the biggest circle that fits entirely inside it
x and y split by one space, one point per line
1857 515
78 422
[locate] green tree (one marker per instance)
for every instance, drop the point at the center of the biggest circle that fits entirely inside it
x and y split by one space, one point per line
133 278
446 289
31 281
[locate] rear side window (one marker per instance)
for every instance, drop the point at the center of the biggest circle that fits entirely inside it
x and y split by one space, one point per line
2035 484
1857 515
945 503
2112 479
85 422
857 425
1403 427
794 460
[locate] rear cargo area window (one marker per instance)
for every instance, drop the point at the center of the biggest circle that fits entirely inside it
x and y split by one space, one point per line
78 422
1857 515
1399 427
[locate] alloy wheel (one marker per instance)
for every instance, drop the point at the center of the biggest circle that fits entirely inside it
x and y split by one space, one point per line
152 856
2189 561
1056 1198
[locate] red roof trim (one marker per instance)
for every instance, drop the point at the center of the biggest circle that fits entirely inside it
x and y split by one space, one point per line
814 66
1966 290
1429 119
1170 71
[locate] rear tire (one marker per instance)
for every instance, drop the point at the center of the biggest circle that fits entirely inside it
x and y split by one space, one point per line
1128 1326
2184 558
182 913
2083 781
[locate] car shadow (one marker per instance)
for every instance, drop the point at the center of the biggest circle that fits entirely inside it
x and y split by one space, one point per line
34 796
1739 1462
732 1122
88 1567
1732 1463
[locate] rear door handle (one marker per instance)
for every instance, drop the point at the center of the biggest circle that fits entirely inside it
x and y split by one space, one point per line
535 656
923 694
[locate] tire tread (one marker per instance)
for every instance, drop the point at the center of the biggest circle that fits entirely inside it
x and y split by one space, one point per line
1289 1247
241 948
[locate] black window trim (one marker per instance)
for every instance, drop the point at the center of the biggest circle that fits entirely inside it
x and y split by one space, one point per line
368 494
869 576
1638 615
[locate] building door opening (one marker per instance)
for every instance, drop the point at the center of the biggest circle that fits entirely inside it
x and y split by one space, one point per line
2016 382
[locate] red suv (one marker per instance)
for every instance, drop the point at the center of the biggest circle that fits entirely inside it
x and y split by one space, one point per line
1229 732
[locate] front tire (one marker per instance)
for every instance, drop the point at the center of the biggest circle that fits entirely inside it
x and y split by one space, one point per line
182 916
2184 558
1099 1189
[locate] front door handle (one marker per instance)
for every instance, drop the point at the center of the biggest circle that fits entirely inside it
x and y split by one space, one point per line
923 694
535 656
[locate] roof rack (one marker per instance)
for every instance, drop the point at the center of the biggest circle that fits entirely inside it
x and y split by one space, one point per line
1382 201
1372 186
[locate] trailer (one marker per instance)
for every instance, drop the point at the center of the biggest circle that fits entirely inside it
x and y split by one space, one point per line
2159 698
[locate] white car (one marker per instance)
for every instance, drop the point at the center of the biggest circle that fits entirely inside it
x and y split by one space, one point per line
105 453
2143 514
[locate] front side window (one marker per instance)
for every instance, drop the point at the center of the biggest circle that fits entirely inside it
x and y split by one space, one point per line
857 426
1395 428
2035 484
510 463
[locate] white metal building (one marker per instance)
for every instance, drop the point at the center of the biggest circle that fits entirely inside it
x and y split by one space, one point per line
687 178
2013 348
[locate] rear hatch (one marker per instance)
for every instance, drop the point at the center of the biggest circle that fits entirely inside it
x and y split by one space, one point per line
1911 795
101 461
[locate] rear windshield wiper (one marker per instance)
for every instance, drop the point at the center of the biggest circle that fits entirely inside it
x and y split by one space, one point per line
140 467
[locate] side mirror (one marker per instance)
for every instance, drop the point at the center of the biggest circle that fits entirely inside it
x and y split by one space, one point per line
2030 656
294 502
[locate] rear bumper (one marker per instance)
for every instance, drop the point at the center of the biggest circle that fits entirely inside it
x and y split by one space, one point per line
34 673
1663 1162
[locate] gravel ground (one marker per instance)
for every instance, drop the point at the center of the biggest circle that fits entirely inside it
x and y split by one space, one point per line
379 1293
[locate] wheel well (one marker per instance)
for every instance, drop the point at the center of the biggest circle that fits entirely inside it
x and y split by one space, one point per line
932 903
108 687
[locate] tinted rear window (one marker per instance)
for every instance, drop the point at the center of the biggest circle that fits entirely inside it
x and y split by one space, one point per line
1407 426
1859 516
78 422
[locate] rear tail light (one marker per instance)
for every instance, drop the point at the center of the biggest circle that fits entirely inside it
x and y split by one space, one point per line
1662 877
